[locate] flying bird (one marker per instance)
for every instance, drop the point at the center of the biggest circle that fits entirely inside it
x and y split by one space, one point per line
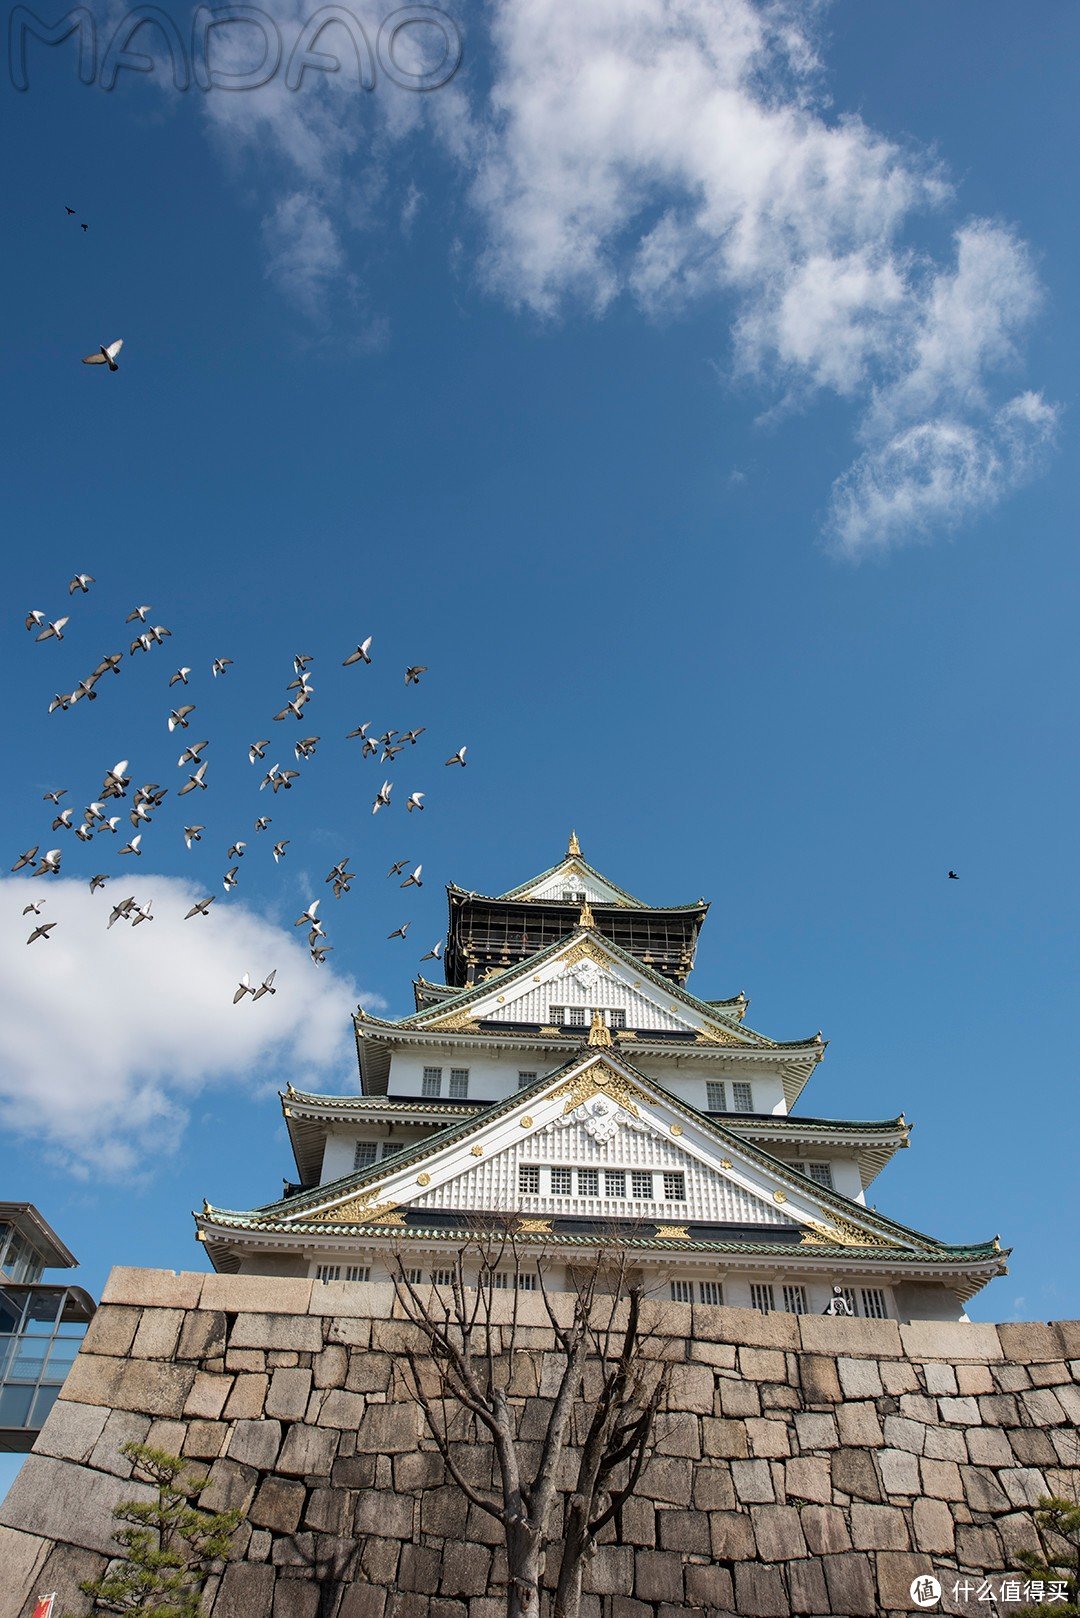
279 850
179 716
201 907
26 859
413 879
301 661
412 674
295 707
34 619
412 736
193 834
42 931
309 916
459 757
231 879
116 782
362 653
305 747
266 986
133 846
397 867
63 819
434 954
284 778
382 798
138 915
243 987
415 801
180 677
191 754
193 781
55 629
361 731
262 823
54 797
97 881
399 932
49 864
138 612
319 952
236 852
81 581
61 701
219 665
105 356
121 911
68 210
256 750
84 832
33 909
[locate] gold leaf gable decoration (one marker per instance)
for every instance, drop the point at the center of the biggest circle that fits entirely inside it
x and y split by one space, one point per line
599 1079
840 1234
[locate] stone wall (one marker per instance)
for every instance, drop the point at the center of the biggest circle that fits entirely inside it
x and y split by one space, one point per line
809 1466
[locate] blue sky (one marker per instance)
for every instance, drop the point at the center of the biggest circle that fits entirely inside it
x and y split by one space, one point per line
704 417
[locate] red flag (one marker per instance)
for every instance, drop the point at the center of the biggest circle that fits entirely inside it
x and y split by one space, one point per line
44 1606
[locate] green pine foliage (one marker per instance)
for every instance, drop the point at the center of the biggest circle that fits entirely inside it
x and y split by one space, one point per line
168 1545
1058 1522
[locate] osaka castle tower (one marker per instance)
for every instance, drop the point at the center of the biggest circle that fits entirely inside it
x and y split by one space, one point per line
564 1080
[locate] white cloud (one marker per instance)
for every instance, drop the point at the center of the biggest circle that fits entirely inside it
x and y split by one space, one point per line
109 1034
934 475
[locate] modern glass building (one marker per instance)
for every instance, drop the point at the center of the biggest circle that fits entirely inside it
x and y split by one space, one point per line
41 1323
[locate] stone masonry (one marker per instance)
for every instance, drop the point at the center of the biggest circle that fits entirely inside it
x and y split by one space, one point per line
807 1465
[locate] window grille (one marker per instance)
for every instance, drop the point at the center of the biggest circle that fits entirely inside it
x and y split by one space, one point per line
873 1304
556 1015
529 1179
526 1282
795 1300
675 1187
525 1079
821 1173
682 1291
761 1297
365 1153
560 1182
432 1084
459 1083
442 1278
327 1272
588 1182
577 1016
616 1019
848 1294
500 1280
712 1292
390 1148
414 1277
641 1185
742 1098
715 1097
614 1182
356 1272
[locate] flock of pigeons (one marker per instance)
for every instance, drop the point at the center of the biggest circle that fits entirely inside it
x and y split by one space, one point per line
98 819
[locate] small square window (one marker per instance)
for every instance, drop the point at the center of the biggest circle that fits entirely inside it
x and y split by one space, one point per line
715 1097
873 1304
356 1272
364 1153
390 1148
328 1272
761 1297
641 1185
614 1182
442 1278
576 1016
588 1182
414 1277
742 1098
556 1016
560 1182
500 1280
616 1019
820 1173
525 1079
529 1179
675 1187
459 1083
795 1300
712 1292
526 1283
682 1291
432 1082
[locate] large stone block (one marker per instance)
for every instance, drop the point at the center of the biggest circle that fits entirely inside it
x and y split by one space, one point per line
826 1530
257 1294
152 1387
896 1571
759 1591
732 1536
934 1526
287 1395
748 1329
682 1530
61 1500
858 1424
388 1429
658 1576
831 1334
369 1372
951 1340
851 1585
763 1364
818 1379
667 1478
691 1388
122 1427
988 1446
902 1433
300 1332
778 1533
22 1557
879 1528
247 1400
208 1395
1028 1340
247 1591
155 1289
708 1587
231 1486
1024 1485
806 1587
859 1378
295 1598
808 1477
159 1330
737 1398
112 1330
202 1336
753 1482
770 1439
899 1470
853 1473
71 1430
815 1431
389 1515
255 1443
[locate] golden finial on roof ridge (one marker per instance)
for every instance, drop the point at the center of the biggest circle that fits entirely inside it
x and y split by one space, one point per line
599 1032
586 921
573 846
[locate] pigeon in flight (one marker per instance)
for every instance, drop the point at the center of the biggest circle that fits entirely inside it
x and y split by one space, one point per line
219 665
953 877
55 629
105 356
133 846
262 823
391 751
33 909
434 954
49 864
193 834
191 754
63 819
382 798
201 907
41 931
279 850
26 859
301 661
413 879
236 852
61 701
361 731
242 988
319 952
459 757
412 675
305 747
34 619
295 707
362 653
84 832
116 782
266 986
284 778
180 677
68 210
54 797
179 716
138 915
397 867
139 613
81 581
193 781
399 932
310 916
231 879
412 736
121 911
370 747
414 801
97 881
256 750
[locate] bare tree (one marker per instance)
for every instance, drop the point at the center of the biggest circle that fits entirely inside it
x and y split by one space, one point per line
603 1401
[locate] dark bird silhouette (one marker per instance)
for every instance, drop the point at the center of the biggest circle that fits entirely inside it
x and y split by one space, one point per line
953 877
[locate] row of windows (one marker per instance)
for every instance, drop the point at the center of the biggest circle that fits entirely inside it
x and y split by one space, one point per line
502 1280
564 1182
716 1096
342 1272
582 1016
459 1083
366 1152
763 1297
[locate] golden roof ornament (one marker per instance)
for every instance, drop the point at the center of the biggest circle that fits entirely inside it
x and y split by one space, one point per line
599 1032
586 921
573 846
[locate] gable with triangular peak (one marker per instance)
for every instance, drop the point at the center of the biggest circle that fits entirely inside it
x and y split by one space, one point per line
584 973
598 1112
569 881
